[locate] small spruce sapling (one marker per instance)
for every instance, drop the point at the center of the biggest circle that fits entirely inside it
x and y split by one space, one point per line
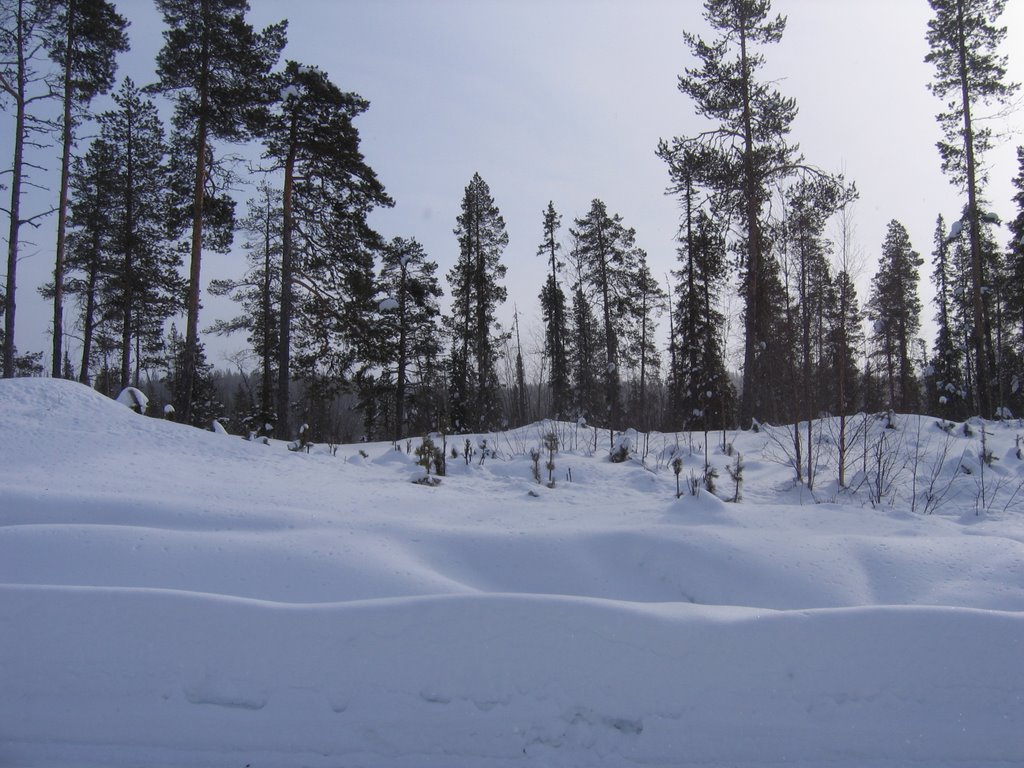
535 464
677 467
551 444
735 471
425 454
710 475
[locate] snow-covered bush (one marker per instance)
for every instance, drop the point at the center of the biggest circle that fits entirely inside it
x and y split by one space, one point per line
134 399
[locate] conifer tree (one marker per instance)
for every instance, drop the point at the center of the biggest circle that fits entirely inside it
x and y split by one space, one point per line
216 66
92 192
1015 288
895 310
142 288
553 307
327 246
258 291
410 343
844 338
476 294
970 73
702 393
947 388
641 351
25 84
83 38
738 160
609 261
583 352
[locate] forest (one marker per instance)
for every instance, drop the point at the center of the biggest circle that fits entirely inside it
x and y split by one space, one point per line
353 335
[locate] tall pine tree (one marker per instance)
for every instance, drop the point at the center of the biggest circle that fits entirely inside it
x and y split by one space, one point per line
738 160
84 38
27 84
970 73
327 246
216 67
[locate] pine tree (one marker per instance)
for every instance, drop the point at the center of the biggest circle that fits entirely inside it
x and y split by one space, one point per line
895 310
142 288
92 191
739 161
553 307
410 341
476 294
216 65
23 82
969 73
83 38
327 247
609 261
258 291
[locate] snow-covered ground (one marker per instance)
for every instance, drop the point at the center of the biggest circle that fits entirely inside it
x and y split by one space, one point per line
173 597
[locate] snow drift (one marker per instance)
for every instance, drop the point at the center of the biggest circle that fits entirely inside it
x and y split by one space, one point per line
173 597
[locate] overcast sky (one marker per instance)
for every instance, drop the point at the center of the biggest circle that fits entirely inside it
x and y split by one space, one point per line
565 100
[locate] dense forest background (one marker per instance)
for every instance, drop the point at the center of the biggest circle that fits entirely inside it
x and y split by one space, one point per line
358 335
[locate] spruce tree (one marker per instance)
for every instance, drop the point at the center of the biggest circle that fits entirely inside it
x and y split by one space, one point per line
83 38
947 388
216 67
970 73
329 191
895 310
702 395
641 350
410 343
476 294
553 308
609 263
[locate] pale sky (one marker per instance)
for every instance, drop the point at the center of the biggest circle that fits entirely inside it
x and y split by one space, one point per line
565 100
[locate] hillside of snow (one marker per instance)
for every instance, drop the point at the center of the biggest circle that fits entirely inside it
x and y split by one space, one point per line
174 597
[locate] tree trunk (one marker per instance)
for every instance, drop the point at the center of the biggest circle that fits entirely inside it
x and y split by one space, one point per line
15 224
282 426
198 192
67 132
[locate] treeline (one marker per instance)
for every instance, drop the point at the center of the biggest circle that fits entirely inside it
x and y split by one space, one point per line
342 322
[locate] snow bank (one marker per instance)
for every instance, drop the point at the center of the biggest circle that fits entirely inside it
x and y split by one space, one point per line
173 597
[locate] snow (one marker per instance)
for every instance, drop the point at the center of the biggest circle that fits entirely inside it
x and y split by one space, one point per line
172 597
134 399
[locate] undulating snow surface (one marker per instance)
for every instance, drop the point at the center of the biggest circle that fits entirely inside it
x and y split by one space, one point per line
173 597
